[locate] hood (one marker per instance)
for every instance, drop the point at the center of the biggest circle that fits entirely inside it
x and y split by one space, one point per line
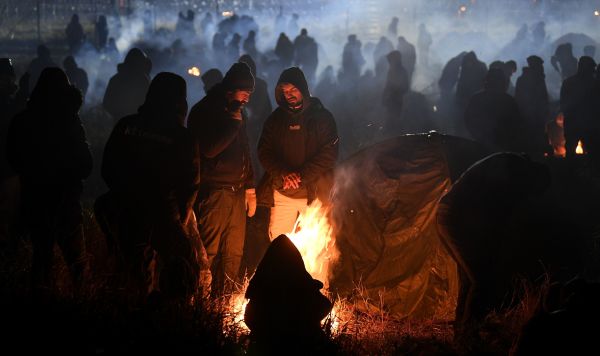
295 77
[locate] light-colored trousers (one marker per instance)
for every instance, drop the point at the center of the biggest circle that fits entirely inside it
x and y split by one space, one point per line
284 214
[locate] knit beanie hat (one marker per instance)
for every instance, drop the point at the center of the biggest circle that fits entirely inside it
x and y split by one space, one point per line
238 77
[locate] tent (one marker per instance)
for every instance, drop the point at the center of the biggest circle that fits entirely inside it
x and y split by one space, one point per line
384 209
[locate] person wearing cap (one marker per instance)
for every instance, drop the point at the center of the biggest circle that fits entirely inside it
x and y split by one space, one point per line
227 192
297 148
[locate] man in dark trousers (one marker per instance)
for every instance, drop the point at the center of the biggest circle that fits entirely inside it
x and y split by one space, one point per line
151 165
298 146
227 179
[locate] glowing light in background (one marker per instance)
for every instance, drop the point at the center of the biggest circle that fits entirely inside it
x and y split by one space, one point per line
194 71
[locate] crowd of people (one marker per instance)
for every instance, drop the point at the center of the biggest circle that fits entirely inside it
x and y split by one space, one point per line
182 182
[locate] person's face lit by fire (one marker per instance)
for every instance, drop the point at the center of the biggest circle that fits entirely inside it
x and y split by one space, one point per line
291 94
241 96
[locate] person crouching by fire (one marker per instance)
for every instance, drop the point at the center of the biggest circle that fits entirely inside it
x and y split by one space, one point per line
151 167
298 146
227 180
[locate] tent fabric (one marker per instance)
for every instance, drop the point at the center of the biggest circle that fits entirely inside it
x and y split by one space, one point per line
385 203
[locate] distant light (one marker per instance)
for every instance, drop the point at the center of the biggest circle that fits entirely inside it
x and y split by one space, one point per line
227 13
195 71
596 12
434 108
463 8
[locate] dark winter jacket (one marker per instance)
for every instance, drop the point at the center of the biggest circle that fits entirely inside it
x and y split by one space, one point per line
223 143
127 89
46 143
281 152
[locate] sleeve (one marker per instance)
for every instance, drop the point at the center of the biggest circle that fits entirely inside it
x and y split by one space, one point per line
215 134
249 182
267 149
327 155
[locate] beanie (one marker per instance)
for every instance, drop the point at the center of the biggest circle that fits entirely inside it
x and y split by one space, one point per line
238 77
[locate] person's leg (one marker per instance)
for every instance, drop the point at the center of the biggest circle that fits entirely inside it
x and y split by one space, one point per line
213 220
71 240
232 245
283 215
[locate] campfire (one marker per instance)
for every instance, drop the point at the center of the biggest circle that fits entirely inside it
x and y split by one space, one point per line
313 237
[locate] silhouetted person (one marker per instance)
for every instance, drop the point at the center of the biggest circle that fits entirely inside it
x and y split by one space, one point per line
210 78
219 48
492 116
75 35
383 47
297 148
577 102
38 64
476 220
233 48
206 23
47 148
77 76
127 89
151 166
450 75
472 77
101 32
396 86
424 41
531 95
284 50
392 29
250 45
227 191
539 33
563 60
306 55
409 56
285 305
185 24
590 51
352 61
327 86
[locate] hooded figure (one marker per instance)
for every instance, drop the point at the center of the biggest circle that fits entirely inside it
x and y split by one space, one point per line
75 35
492 116
284 50
578 101
47 148
564 61
396 86
306 54
531 95
227 193
297 148
210 78
471 80
127 89
151 166
76 75
39 63
286 306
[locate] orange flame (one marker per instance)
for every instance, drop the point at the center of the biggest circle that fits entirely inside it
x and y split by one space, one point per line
195 71
313 237
579 149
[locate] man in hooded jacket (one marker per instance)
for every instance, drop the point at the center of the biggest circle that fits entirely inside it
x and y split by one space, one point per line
298 146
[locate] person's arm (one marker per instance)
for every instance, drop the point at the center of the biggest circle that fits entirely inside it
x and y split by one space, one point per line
214 134
267 152
327 155
81 152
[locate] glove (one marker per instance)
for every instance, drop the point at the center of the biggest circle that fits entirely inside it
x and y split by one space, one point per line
251 202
